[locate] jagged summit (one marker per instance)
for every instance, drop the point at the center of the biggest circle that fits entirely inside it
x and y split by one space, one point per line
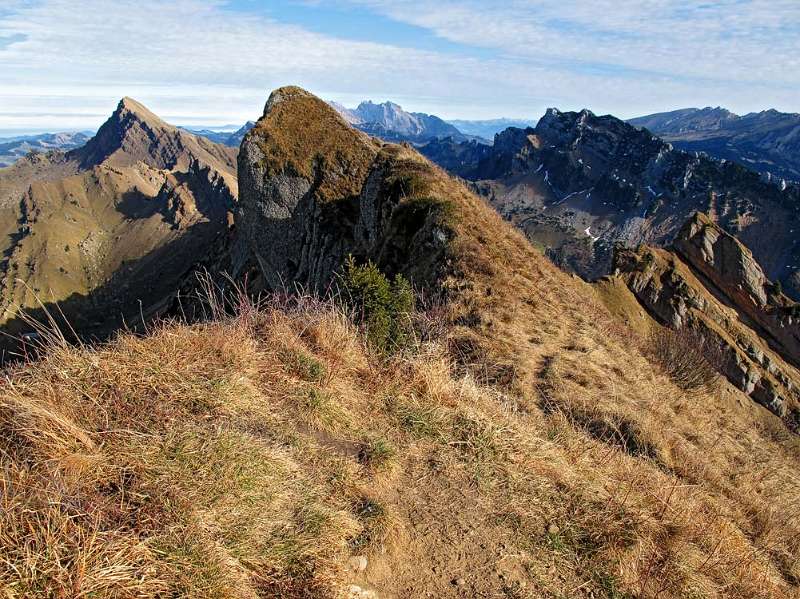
389 121
134 134
302 137
577 183
129 105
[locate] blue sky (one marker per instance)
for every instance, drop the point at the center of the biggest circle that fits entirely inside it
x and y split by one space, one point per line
65 63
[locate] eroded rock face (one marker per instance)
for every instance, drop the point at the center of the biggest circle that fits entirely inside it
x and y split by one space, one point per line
675 291
723 259
732 269
313 190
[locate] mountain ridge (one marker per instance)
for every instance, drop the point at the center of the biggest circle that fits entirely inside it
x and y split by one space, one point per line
766 141
578 183
87 229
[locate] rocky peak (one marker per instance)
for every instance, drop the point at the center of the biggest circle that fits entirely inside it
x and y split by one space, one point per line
129 106
314 190
390 122
301 137
301 170
706 119
565 128
389 116
135 134
131 128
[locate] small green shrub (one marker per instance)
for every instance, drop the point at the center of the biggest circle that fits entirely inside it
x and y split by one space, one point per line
383 307
304 366
376 453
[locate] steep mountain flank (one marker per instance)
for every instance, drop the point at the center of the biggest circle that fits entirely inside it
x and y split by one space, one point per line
106 231
768 141
709 283
134 134
578 183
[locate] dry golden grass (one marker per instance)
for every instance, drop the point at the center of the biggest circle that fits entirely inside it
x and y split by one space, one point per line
191 462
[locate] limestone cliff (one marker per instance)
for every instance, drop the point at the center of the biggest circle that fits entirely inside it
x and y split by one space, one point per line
731 268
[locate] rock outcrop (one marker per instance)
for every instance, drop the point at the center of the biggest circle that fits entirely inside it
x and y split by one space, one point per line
733 271
724 260
710 283
577 183
314 190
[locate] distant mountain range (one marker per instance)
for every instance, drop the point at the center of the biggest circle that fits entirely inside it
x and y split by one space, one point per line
768 141
14 148
390 122
578 183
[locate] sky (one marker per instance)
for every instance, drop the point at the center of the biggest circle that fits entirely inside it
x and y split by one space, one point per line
64 64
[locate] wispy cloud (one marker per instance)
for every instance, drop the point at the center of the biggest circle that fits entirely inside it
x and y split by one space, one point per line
737 41
201 61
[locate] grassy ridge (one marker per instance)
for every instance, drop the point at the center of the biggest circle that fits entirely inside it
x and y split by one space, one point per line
253 456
